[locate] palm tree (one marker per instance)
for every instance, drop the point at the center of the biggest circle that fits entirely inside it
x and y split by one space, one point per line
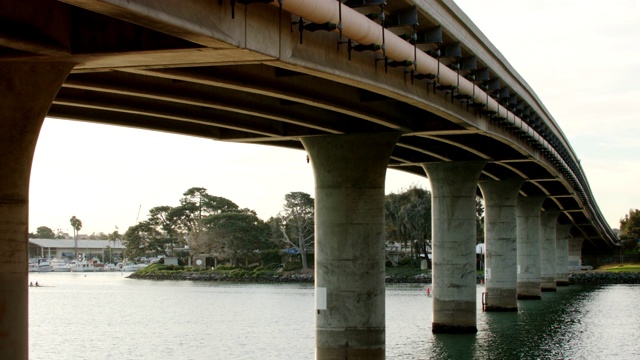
76 224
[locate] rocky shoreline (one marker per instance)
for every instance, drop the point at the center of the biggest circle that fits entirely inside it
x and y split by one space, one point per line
266 278
577 278
604 278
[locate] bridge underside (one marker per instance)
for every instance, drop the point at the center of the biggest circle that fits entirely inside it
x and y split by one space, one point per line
254 78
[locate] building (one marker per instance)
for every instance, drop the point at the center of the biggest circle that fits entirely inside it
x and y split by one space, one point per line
65 248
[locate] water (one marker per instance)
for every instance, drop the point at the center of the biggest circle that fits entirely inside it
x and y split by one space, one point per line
107 316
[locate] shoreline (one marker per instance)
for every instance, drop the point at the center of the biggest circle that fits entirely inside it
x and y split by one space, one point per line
263 278
577 278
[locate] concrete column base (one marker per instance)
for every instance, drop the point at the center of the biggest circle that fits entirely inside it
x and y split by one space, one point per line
501 300
547 284
354 344
562 282
455 313
529 291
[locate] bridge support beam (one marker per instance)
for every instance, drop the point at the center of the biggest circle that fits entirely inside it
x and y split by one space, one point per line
26 93
548 221
562 254
500 236
575 253
453 194
349 173
529 247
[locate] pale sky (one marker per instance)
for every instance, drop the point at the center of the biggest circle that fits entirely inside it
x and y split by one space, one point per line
580 58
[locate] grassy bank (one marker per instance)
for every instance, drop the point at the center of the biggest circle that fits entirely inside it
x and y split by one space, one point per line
620 268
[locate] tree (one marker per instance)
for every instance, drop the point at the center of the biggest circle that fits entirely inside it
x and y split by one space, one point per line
43 232
630 231
408 219
165 220
76 224
113 237
479 220
196 205
294 225
143 238
236 235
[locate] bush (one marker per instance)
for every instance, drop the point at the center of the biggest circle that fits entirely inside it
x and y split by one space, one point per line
225 267
273 266
292 266
270 256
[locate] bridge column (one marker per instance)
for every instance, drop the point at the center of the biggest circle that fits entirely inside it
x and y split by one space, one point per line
548 221
562 254
453 194
349 173
529 247
500 236
575 253
26 93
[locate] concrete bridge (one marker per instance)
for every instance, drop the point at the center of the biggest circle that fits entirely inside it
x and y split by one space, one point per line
361 86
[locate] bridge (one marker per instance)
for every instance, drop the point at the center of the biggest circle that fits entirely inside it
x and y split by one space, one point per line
361 85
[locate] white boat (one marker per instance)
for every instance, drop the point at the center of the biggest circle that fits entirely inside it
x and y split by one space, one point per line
81 266
41 265
59 265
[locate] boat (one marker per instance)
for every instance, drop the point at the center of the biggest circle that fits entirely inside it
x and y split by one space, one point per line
94 265
40 265
59 265
81 266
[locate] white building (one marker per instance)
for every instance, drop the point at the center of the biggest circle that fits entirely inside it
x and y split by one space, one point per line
65 248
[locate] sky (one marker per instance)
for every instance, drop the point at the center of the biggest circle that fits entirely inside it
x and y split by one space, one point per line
582 61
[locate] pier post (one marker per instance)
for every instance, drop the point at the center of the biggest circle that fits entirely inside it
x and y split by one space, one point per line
575 253
349 173
500 237
548 221
528 211
453 194
562 254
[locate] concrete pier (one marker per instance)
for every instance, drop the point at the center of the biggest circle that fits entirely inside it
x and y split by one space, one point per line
500 236
575 253
529 247
349 173
26 92
562 254
453 193
548 221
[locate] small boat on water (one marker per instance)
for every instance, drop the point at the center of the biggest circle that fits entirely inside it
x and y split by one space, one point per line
40 265
59 265
86 266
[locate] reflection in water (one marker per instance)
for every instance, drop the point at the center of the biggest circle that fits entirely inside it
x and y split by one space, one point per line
453 346
573 323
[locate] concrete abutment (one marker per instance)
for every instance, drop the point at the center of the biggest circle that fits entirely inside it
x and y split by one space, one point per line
26 94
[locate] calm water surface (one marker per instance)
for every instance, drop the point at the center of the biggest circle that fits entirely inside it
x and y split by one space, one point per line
107 316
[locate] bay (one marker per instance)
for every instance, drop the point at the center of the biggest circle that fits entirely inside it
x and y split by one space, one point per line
108 316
